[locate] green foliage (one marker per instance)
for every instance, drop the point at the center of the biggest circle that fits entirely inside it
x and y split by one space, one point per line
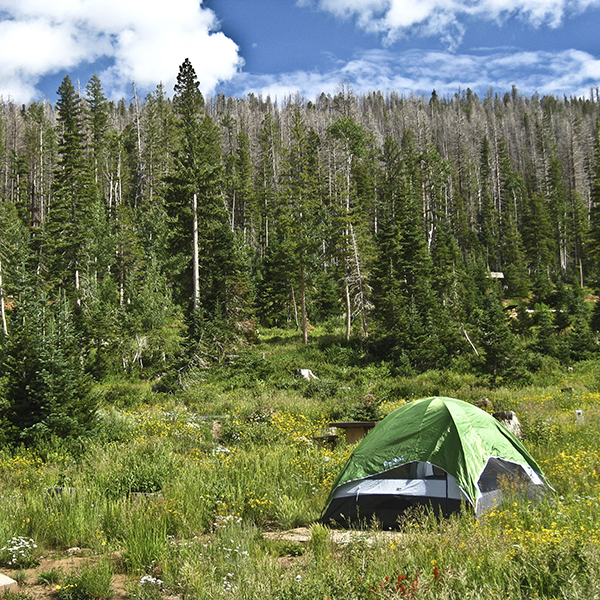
204 532
49 577
91 582
47 393
19 553
145 540
142 467
66 230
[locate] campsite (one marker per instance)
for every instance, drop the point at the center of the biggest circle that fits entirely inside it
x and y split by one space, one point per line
217 492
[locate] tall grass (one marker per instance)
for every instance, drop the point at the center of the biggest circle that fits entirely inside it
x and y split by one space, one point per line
183 489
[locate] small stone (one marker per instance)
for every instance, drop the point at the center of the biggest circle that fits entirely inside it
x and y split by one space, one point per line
7 584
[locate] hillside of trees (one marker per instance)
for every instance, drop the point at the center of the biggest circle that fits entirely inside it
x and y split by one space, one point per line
157 234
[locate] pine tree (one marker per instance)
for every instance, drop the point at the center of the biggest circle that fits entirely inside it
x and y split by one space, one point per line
15 256
97 119
405 304
47 392
512 254
203 258
594 235
67 227
495 338
355 192
266 180
298 209
488 217
539 244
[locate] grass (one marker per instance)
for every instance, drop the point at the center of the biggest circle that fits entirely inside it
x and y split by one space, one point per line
182 488
91 582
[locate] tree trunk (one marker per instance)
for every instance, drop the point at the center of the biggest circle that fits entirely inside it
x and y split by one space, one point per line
348 303
359 275
196 269
295 308
303 307
77 286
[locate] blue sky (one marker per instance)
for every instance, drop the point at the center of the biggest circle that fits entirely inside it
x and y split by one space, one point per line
280 47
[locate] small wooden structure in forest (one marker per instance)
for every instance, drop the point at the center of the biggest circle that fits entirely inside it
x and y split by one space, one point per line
355 430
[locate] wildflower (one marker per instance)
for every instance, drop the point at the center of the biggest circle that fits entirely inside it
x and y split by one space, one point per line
149 580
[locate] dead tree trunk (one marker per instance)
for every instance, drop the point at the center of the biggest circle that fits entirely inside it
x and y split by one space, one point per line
196 267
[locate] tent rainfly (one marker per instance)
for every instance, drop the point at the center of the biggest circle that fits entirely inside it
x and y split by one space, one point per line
440 452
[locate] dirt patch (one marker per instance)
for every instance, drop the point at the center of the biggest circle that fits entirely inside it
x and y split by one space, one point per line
73 561
343 537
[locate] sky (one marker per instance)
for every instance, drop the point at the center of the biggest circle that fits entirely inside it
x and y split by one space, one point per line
283 47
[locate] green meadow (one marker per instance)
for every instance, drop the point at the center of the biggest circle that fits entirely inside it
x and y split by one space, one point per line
182 495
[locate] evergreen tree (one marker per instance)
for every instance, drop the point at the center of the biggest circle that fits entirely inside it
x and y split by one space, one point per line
67 227
487 214
406 307
495 338
298 209
15 257
266 180
544 331
97 119
513 260
559 207
354 213
539 244
194 201
594 235
47 393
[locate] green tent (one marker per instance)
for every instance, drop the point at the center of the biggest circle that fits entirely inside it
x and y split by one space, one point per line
437 451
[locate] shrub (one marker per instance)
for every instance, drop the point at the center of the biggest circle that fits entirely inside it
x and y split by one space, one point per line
93 582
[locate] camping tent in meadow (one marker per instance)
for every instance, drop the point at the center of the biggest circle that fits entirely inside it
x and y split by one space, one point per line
441 452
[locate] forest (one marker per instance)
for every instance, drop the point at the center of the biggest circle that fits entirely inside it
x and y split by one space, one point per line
151 236
167 263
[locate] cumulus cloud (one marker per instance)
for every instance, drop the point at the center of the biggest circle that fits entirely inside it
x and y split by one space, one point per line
444 18
143 40
570 73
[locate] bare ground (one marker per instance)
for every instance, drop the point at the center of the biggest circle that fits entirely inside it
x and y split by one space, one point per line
74 560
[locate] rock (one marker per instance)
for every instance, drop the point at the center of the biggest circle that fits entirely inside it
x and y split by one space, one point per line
509 419
306 373
7 585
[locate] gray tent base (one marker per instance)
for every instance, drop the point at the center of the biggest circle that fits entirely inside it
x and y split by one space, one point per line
386 496
385 511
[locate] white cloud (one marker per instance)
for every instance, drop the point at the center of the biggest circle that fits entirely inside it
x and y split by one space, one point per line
146 40
442 18
570 73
